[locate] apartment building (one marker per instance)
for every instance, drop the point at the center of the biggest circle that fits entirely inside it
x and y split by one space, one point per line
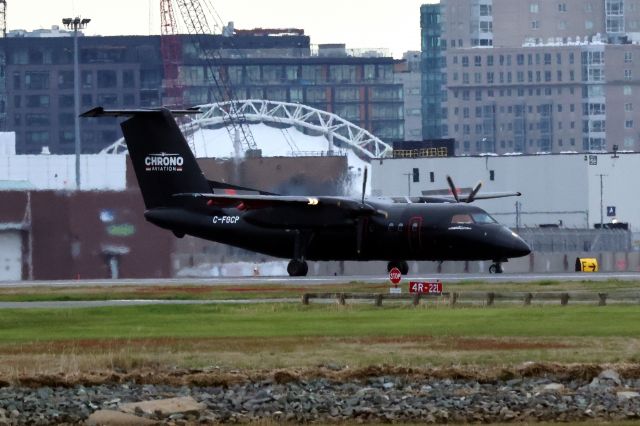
537 76
128 71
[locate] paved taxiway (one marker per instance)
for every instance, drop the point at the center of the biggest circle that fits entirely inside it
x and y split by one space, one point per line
326 280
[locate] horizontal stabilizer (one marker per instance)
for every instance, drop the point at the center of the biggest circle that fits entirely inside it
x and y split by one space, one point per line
101 112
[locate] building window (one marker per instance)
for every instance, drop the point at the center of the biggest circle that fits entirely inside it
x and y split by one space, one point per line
627 90
562 7
38 101
65 101
534 8
627 74
87 79
65 80
628 57
253 73
588 25
108 100
535 25
628 124
39 137
36 80
295 94
128 79
87 100
628 107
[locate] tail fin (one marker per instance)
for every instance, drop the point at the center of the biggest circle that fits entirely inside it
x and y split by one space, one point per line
161 157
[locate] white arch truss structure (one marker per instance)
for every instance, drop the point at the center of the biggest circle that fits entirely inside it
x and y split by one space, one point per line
292 114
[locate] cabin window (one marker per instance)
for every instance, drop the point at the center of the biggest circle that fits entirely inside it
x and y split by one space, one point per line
414 226
492 175
432 176
391 226
461 219
400 227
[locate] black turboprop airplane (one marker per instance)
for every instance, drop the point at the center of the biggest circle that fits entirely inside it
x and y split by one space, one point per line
179 198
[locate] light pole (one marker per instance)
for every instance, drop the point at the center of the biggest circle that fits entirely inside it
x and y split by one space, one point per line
408 175
601 203
76 24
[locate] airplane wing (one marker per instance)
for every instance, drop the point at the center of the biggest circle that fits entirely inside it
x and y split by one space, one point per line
290 211
491 195
464 198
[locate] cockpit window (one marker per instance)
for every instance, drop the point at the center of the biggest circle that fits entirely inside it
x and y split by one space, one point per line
483 218
468 218
461 219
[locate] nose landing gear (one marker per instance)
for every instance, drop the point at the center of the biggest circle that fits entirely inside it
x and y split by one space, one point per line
496 268
297 268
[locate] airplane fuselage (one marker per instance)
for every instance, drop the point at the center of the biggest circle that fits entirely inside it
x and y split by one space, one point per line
434 232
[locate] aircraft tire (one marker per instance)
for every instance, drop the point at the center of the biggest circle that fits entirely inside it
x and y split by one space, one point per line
297 268
496 268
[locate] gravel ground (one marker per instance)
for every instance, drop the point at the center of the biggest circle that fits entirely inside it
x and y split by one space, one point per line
383 398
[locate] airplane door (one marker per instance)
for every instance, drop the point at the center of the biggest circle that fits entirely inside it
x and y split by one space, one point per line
414 233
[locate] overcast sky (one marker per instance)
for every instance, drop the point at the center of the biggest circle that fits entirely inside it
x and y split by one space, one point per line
390 24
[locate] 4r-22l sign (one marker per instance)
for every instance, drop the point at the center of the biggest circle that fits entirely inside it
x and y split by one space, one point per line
425 287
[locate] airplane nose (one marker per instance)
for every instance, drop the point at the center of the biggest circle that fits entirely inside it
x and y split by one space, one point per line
518 246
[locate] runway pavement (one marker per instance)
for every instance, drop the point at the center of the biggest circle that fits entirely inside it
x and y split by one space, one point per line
325 280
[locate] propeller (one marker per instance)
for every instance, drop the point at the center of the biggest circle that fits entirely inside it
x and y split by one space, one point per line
364 183
361 221
474 192
470 198
453 188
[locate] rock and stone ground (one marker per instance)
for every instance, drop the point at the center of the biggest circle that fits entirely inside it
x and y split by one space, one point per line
532 392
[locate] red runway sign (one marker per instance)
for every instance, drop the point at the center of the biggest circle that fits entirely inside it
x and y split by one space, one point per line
426 287
395 275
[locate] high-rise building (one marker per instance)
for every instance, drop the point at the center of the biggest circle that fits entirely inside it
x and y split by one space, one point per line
409 75
537 76
127 71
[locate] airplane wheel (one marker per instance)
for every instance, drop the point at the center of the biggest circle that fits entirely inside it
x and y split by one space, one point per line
496 268
297 268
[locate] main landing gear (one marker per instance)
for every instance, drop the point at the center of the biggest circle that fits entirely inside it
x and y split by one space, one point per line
496 268
400 264
297 268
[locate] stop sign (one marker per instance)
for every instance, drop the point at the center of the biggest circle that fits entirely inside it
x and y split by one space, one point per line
395 275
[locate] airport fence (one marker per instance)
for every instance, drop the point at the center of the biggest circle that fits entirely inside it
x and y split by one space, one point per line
483 298
577 240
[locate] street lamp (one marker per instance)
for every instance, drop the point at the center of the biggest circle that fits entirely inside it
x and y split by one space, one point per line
76 24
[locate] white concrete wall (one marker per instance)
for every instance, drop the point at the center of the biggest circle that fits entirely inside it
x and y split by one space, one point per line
57 172
549 183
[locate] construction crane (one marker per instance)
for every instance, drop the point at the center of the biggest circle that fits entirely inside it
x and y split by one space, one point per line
195 19
171 49
3 65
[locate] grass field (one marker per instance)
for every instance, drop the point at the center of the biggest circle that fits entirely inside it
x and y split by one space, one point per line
292 335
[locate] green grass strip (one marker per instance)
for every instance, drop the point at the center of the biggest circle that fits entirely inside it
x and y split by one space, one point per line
21 325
